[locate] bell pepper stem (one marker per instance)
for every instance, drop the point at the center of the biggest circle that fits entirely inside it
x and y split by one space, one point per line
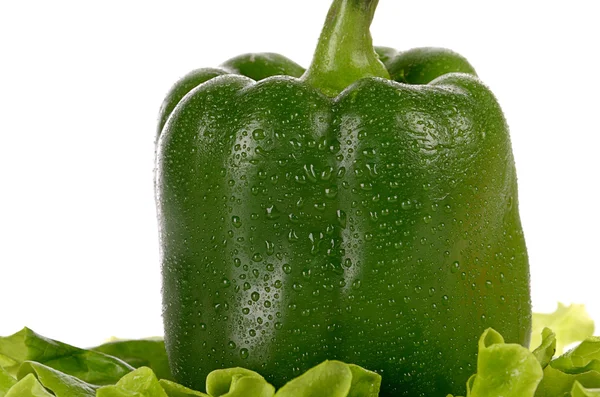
345 51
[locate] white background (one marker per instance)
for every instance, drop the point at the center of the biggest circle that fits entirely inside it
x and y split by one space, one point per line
81 84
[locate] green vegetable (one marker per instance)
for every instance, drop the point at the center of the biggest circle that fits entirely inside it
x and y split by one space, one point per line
364 383
176 390
7 362
28 387
504 369
222 381
362 212
580 391
26 345
6 381
329 379
546 350
61 384
140 383
570 323
139 353
333 379
581 364
242 386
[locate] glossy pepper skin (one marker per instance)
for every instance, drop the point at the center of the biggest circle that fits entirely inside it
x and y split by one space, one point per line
355 211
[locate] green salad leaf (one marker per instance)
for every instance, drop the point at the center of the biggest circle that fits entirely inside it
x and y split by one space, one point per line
140 383
7 362
176 390
580 391
583 358
61 384
221 381
28 387
149 352
504 369
570 324
6 381
581 364
242 386
328 379
87 365
365 383
546 350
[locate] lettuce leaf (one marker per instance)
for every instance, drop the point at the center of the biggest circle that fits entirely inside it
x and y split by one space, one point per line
149 352
6 381
7 362
547 348
28 387
580 391
365 383
61 384
333 379
87 365
328 379
244 386
504 369
140 383
570 324
221 381
176 390
579 365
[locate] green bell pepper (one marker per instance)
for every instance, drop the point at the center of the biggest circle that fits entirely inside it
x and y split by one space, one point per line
364 210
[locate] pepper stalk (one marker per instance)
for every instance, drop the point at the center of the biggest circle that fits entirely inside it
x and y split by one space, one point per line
345 50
